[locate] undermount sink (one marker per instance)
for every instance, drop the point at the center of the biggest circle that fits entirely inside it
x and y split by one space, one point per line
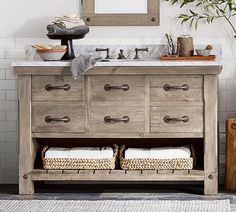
126 60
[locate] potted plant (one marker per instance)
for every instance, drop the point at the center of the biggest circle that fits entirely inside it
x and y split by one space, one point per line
209 10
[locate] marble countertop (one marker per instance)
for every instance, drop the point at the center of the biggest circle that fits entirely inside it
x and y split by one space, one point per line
119 63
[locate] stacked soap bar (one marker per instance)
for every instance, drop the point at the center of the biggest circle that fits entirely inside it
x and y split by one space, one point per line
80 152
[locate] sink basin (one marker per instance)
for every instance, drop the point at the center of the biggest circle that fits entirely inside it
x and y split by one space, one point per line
125 60
128 62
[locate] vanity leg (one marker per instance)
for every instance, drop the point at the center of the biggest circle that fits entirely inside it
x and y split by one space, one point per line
210 141
26 146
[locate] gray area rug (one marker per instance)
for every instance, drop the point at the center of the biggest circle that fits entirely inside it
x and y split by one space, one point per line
114 206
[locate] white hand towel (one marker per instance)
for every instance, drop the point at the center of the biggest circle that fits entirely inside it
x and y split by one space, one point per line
80 152
91 153
57 152
137 153
158 153
170 152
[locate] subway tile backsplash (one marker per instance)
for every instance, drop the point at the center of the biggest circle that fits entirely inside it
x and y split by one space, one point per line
14 49
154 50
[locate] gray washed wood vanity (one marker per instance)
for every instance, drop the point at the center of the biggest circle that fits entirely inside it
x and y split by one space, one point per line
150 100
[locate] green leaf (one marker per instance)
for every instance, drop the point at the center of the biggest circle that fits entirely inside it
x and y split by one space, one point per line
208 20
196 24
191 23
182 5
175 1
184 16
206 14
195 14
222 11
198 4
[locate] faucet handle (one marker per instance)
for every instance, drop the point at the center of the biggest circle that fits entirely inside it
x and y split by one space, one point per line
121 55
104 50
138 50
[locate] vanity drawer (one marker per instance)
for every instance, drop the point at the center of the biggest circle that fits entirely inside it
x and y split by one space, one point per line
177 119
120 89
176 88
57 88
58 119
117 119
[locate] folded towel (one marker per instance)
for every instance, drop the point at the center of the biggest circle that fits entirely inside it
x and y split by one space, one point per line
91 153
158 153
70 22
136 153
80 152
83 63
75 18
57 152
61 30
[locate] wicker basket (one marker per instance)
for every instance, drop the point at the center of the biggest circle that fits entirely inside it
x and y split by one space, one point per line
71 163
157 164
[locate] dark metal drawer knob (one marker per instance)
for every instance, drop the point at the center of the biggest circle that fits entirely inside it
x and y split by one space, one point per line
184 87
109 87
233 126
168 119
50 87
108 119
65 119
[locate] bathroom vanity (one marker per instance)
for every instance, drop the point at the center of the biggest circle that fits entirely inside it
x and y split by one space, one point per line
139 100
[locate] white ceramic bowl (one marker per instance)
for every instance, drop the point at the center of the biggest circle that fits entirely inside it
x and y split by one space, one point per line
51 54
203 52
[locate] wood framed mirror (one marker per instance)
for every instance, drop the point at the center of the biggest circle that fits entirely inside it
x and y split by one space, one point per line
120 12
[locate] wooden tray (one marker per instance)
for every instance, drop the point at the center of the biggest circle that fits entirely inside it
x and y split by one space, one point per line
195 57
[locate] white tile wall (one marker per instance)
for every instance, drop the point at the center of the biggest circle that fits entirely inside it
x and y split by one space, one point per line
13 49
7 43
2 74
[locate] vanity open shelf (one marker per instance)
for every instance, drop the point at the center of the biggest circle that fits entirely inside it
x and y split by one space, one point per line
116 175
147 106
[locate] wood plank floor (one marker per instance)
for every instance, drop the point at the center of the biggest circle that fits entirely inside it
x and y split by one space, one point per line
115 192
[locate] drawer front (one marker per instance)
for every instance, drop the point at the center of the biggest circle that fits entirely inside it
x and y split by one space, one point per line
122 89
58 119
117 119
177 119
176 88
57 88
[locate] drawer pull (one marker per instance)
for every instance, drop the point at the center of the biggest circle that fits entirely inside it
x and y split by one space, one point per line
65 119
168 119
109 87
108 119
50 87
184 87
233 126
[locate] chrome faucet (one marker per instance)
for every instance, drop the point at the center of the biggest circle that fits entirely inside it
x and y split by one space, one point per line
138 50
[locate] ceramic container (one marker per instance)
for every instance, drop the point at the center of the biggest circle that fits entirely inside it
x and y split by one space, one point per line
51 54
203 52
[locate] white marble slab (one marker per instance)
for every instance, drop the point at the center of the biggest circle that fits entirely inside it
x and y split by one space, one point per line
127 63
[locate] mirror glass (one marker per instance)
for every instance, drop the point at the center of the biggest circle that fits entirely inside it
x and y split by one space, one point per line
120 6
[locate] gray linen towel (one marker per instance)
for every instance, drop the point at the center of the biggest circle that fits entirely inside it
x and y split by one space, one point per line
55 29
83 63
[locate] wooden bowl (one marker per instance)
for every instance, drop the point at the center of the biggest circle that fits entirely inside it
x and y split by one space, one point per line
51 54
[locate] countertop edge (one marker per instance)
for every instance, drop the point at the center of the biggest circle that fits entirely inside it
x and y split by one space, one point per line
157 63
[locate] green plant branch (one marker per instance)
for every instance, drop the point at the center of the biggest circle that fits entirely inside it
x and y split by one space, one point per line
227 19
212 9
